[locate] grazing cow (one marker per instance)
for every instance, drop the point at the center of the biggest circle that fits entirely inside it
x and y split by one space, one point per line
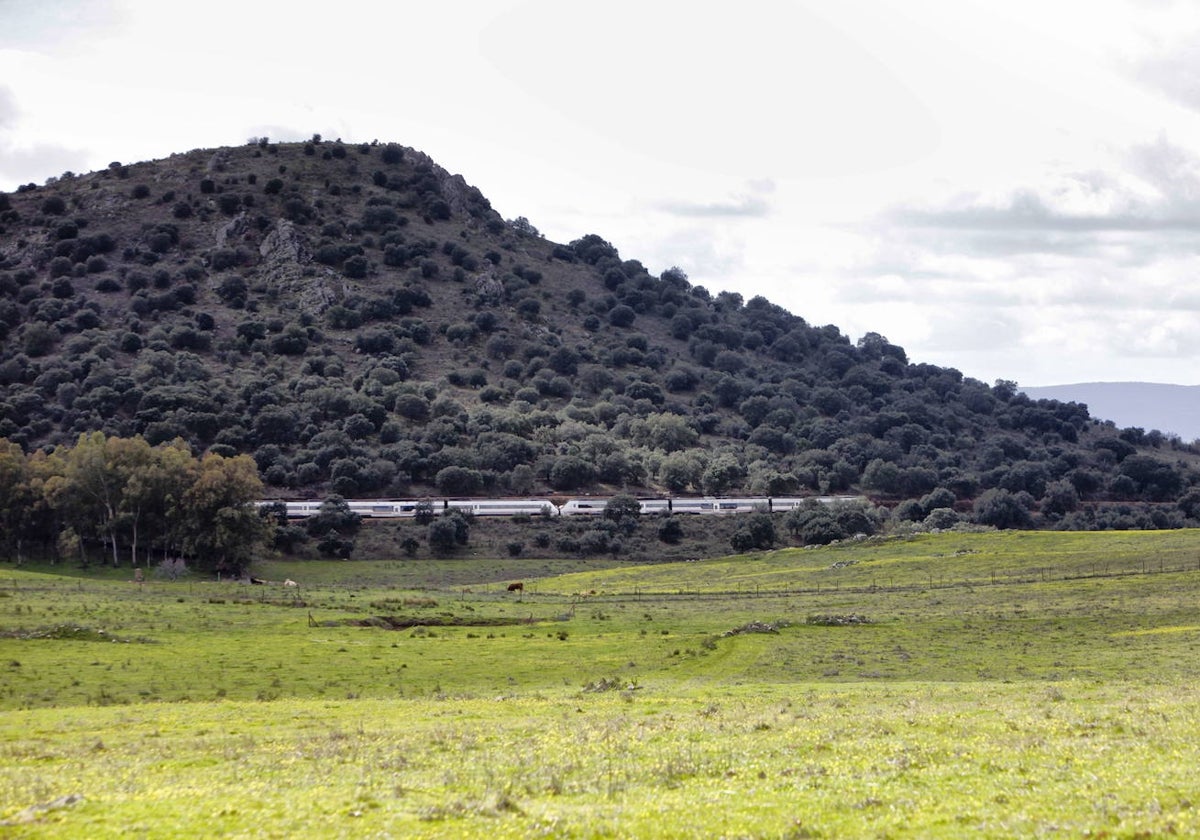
290 582
517 587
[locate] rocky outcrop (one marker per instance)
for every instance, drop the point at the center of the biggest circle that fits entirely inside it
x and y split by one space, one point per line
489 288
287 265
284 244
233 232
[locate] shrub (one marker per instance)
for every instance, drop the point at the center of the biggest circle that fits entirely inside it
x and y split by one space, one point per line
570 472
941 519
334 515
622 507
412 407
449 532
355 267
293 341
757 531
62 288
334 544
375 342
60 267
670 531
621 315
1001 509
458 481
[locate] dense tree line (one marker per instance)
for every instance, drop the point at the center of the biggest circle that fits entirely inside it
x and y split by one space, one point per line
121 500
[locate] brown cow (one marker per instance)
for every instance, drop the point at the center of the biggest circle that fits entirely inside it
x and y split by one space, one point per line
517 587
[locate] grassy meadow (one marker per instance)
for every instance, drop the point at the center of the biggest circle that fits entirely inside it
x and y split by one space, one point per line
999 684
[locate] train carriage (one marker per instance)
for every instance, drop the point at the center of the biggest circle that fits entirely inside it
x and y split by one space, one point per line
407 508
504 507
585 507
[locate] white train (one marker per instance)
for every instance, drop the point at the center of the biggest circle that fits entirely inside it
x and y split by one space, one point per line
589 506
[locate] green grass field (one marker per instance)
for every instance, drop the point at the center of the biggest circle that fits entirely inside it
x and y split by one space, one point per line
1000 684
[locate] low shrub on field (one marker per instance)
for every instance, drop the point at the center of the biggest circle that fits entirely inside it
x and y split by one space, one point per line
756 627
610 684
837 620
71 633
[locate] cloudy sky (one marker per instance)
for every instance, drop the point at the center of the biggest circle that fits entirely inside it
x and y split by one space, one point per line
1009 188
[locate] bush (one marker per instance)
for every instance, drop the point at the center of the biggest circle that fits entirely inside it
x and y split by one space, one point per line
1001 509
293 341
570 473
458 481
623 507
448 533
60 267
670 531
412 407
335 545
941 519
375 342
334 516
621 315
757 531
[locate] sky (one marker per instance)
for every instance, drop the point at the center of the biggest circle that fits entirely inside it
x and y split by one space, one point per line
1008 188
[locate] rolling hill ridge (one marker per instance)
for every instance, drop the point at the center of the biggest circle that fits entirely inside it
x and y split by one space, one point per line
362 322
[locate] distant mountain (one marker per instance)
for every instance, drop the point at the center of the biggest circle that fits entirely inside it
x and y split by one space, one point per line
1174 409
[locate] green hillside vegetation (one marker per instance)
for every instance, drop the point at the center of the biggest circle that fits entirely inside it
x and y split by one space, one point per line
362 323
999 684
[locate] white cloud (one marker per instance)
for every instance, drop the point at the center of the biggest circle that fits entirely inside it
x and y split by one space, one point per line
739 92
48 25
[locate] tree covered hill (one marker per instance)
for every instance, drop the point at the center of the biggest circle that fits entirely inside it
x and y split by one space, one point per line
362 322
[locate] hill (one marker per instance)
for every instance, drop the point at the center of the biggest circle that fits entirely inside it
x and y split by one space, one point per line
362 322
1149 405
